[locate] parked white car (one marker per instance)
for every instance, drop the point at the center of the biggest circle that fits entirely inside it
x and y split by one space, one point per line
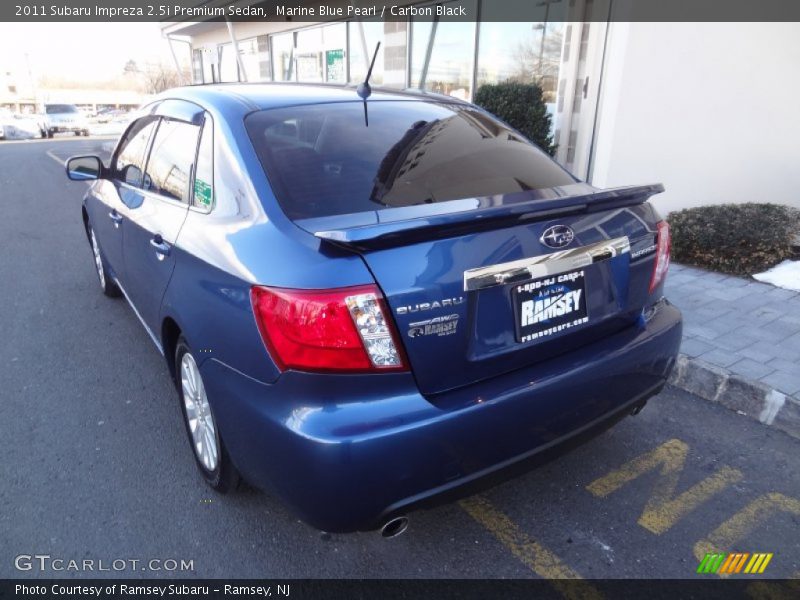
65 118
16 126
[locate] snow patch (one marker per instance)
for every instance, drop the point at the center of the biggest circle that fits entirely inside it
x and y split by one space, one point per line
772 404
785 275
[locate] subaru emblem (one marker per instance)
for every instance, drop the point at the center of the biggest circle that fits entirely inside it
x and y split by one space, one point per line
557 236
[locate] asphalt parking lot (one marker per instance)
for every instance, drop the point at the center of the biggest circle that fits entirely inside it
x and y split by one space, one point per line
96 464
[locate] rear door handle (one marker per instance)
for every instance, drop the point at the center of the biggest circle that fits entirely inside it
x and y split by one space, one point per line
162 248
116 217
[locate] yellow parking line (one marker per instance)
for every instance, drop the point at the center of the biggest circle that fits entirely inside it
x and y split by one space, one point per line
535 556
665 507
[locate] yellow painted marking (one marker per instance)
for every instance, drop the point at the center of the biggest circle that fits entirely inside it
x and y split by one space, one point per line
765 563
663 510
535 556
736 529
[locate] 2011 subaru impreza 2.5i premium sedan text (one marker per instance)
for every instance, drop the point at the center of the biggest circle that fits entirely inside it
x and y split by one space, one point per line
371 306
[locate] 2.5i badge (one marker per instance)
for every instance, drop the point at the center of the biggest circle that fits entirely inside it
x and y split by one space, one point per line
547 306
437 326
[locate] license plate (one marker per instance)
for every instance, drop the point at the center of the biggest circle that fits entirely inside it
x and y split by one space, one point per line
545 307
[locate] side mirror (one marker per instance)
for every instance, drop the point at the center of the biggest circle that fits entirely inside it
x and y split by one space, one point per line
84 168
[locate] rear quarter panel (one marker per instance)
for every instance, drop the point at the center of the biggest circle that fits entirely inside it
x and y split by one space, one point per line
244 241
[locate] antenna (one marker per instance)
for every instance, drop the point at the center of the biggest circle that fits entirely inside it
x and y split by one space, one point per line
364 90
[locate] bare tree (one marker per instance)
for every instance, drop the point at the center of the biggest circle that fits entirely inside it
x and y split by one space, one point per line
539 60
157 77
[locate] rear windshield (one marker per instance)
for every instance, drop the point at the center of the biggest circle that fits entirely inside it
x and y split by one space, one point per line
53 109
325 160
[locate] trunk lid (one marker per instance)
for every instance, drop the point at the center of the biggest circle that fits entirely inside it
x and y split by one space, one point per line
484 286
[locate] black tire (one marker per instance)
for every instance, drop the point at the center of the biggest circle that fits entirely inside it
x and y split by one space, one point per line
107 285
224 477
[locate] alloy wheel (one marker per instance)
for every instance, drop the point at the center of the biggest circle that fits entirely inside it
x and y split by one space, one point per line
198 414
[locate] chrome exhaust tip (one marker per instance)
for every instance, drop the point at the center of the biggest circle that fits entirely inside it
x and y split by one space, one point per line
394 527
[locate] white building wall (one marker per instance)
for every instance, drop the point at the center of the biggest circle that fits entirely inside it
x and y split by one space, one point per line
711 110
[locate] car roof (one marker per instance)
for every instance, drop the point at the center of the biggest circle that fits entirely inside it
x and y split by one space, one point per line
248 97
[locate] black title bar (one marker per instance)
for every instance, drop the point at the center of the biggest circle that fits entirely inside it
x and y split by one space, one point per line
400 10
704 586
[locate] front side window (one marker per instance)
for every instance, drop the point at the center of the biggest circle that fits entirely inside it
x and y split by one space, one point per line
128 164
324 160
169 169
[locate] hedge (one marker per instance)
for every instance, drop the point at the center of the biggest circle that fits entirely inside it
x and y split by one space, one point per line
740 239
522 106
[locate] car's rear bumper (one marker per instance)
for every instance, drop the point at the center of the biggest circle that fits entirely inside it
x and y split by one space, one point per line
67 128
347 452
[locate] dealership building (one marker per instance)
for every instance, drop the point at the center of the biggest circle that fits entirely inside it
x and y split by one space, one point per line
708 109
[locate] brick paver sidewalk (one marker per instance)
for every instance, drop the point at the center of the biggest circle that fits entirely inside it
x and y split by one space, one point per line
751 329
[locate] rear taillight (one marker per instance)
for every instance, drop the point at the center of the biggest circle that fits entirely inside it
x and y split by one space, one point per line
339 330
662 255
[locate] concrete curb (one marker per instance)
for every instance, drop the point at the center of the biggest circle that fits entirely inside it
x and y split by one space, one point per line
747 397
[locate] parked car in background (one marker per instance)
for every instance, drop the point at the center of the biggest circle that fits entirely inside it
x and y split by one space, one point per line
370 306
20 126
65 118
109 114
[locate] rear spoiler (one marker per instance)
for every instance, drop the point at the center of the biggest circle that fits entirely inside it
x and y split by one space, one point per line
496 213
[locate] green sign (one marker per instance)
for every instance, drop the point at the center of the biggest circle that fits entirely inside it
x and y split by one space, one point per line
334 65
203 193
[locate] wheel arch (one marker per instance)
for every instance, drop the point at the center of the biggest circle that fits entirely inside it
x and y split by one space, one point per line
85 217
170 334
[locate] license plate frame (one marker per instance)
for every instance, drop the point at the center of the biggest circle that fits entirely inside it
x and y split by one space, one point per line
556 303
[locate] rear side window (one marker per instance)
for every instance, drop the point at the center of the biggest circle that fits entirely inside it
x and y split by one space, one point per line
324 160
203 193
128 165
169 169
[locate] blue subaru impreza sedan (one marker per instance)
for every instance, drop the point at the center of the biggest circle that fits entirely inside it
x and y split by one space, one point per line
370 306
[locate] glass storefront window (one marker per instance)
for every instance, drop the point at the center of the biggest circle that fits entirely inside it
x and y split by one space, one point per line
308 55
264 59
197 65
450 67
228 69
523 52
283 56
390 65
255 58
320 54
